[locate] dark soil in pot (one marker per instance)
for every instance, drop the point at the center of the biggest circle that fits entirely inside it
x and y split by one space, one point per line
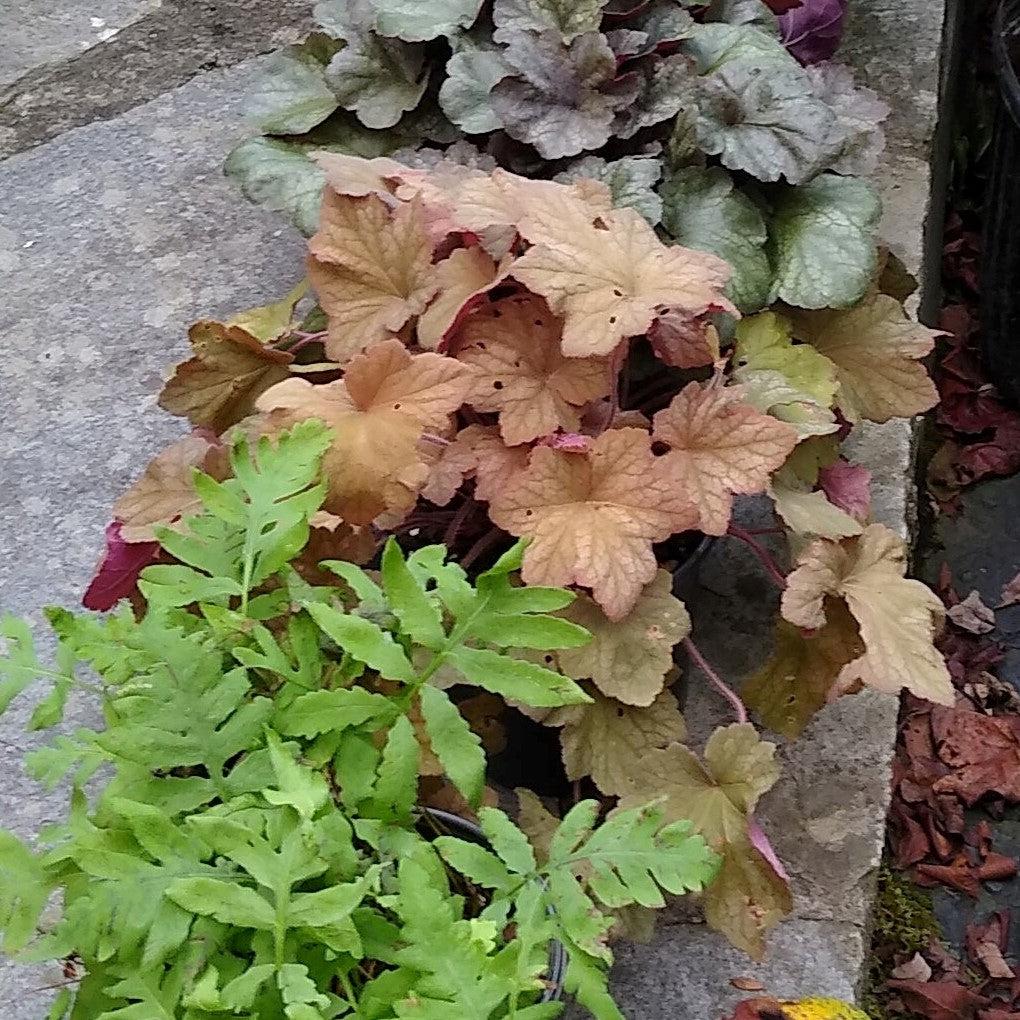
532 758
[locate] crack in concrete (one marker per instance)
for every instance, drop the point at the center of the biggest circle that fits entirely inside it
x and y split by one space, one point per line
157 53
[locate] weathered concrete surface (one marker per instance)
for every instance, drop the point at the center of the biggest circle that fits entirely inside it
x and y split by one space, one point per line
35 32
175 41
112 240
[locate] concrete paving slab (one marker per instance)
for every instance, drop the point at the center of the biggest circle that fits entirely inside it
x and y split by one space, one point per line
173 42
36 33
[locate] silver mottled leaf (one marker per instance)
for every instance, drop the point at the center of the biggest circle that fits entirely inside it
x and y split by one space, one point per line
743 12
563 99
568 18
378 79
822 242
667 87
714 45
464 96
631 181
292 95
703 210
767 122
857 140
420 21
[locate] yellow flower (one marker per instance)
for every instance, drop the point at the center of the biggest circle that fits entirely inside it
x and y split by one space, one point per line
822 1009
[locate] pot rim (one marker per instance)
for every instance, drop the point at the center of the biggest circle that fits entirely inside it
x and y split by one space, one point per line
556 971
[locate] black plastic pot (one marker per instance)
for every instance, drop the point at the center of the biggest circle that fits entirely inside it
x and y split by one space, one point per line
1000 294
434 822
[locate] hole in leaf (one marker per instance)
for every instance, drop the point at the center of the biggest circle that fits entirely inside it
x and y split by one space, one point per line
497 385
659 447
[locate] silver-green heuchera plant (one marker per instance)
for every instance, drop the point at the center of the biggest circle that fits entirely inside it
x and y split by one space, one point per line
694 114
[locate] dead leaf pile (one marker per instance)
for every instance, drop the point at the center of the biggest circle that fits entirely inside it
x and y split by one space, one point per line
935 985
953 757
950 760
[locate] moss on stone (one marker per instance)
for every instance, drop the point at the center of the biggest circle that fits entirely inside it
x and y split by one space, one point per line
903 923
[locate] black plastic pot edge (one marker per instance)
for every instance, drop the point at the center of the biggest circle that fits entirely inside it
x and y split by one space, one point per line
685 584
685 576
446 823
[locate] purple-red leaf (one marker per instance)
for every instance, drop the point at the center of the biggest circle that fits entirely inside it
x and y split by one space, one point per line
813 31
117 574
848 486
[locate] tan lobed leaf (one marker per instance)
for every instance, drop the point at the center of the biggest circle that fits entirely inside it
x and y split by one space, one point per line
166 491
357 177
476 451
809 513
876 350
503 199
719 446
438 188
746 899
795 683
898 617
628 660
592 518
606 740
536 821
610 281
718 797
515 346
378 412
372 269
462 280
219 384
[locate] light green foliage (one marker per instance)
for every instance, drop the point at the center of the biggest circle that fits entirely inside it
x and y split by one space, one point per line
254 850
590 870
